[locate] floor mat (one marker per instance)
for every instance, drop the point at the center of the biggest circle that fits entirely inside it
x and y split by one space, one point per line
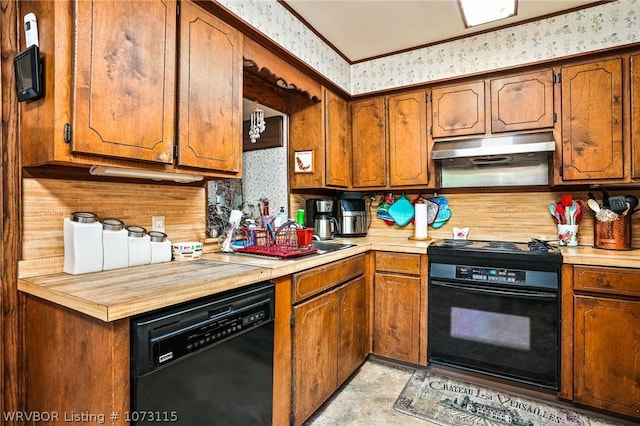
448 401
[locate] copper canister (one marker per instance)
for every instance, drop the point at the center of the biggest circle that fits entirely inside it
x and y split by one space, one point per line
614 235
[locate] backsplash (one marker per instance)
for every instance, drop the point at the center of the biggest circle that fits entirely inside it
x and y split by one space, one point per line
46 202
495 216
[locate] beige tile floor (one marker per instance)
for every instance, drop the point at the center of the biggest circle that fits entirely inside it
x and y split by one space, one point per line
357 405
367 400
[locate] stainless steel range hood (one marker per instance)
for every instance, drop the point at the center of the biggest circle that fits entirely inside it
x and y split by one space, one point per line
499 149
514 160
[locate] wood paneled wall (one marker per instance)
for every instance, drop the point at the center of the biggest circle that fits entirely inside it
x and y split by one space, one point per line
46 202
495 216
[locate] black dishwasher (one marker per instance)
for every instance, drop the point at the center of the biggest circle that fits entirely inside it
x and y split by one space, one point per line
205 362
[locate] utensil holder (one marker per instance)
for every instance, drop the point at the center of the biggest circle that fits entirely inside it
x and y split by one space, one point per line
614 235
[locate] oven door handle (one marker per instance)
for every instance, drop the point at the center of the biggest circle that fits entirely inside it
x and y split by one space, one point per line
522 294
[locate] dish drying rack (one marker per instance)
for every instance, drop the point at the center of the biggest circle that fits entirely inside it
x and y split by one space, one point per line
281 243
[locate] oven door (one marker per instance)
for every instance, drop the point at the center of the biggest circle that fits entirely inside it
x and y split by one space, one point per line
504 332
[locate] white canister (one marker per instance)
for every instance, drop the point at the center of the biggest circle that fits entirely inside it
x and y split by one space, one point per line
139 246
160 247
115 243
82 243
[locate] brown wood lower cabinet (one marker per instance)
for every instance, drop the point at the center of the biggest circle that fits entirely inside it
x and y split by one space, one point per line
606 306
399 301
330 333
74 363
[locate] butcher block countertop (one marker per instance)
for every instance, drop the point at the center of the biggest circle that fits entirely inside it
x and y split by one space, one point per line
113 295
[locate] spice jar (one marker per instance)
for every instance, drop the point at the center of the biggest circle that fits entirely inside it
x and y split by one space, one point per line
115 244
83 250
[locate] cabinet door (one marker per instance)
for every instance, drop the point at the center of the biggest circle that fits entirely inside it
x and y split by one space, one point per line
315 368
522 102
408 153
124 79
592 121
338 172
210 92
352 328
368 137
396 325
607 354
635 116
458 110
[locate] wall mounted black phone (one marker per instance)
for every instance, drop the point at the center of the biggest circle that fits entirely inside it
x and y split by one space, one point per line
29 74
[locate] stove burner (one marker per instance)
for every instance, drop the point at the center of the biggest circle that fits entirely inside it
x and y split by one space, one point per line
539 245
455 243
502 245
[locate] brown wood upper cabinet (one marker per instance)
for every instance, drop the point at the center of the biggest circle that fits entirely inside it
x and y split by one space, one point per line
592 138
458 110
522 102
502 104
635 116
389 140
368 141
210 92
110 71
323 129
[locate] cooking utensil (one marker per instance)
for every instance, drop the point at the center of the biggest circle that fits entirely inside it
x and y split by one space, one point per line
566 200
560 213
552 210
571 212
633 202
593 205
605 198
617 204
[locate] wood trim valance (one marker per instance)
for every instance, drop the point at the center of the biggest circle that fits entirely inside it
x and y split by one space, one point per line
261 61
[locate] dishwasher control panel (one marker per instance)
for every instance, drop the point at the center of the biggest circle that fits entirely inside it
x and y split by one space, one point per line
161 337
217 329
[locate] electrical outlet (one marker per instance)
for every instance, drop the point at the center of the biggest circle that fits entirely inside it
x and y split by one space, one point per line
157 223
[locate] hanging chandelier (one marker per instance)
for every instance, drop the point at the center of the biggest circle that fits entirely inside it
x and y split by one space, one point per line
257 124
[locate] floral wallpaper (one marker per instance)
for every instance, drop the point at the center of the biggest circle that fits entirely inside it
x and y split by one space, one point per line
605 26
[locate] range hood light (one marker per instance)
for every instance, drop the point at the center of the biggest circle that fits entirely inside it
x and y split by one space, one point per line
144 174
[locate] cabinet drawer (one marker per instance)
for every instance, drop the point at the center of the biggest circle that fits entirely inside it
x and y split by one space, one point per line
316 280
607 280
401 263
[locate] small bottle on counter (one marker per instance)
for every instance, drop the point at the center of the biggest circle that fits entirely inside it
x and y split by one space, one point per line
83 251
139 246
281 218
115 244
160 247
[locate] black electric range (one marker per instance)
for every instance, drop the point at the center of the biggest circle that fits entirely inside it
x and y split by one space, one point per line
536 251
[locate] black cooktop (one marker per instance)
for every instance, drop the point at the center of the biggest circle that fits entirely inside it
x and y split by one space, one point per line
532 248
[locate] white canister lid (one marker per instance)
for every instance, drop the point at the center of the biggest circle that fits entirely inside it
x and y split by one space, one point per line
84 217
136 231
112 224
157 236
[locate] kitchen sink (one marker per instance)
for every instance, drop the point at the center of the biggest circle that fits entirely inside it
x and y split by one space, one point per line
325 247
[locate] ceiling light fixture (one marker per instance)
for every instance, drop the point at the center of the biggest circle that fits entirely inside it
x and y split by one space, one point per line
257 124
478 12
144 174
